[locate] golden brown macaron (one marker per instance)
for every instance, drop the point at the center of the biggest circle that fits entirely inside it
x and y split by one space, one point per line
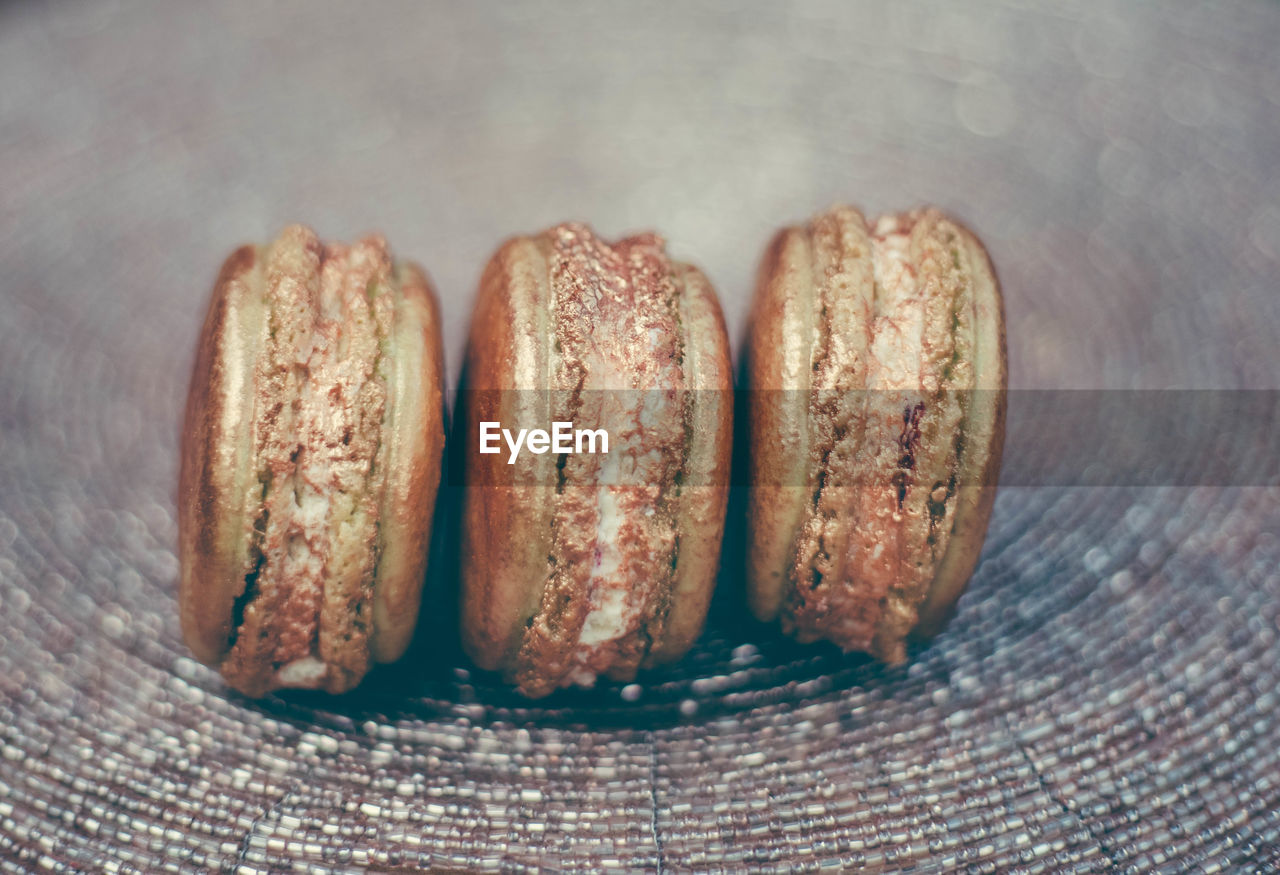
877 364
580 564
310 462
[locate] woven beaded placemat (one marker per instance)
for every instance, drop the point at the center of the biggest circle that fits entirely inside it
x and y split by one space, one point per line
1106 696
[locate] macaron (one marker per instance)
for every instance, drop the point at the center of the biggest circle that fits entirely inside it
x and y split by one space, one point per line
877 368
578 564
311 453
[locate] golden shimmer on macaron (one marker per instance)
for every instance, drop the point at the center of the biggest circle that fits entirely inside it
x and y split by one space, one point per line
310 462
584 564
876 356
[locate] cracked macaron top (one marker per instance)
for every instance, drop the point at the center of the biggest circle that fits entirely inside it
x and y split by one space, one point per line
876 353
582 564
311 452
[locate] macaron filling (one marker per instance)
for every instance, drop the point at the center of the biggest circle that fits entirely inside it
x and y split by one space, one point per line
613 542
303 619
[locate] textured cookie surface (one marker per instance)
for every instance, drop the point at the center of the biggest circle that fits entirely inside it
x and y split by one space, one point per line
622 553
315 399
874 353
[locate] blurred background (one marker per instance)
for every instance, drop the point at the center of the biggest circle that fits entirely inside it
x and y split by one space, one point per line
1106 696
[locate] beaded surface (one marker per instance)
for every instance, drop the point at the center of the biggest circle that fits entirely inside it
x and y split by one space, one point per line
1106 696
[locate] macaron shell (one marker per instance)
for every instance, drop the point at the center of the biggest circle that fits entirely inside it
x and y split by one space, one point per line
214 500
508 509
780 340
822 598
704 493
984 446
414 437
